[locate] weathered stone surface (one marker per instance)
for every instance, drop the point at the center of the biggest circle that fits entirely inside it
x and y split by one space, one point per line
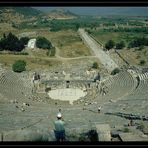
22 135
132 137
103 131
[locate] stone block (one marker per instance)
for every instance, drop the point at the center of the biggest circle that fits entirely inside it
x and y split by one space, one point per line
103 131
132 137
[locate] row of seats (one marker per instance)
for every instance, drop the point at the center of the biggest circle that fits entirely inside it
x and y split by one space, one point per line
13 86
143 76
118 85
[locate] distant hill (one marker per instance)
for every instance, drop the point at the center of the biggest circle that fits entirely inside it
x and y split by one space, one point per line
61 14
21 10
128 11
17 14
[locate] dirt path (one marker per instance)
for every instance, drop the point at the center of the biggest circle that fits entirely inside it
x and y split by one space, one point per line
105 59
57 55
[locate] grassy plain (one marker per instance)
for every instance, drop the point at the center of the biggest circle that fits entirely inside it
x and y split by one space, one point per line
32 62
68 41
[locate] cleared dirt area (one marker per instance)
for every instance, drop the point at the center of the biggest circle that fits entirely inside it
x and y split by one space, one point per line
68 41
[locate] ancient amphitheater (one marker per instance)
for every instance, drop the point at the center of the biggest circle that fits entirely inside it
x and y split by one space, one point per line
29 102
27 108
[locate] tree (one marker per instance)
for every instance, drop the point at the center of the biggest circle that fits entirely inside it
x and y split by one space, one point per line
11 43
42 42
120 45
24 40
137 42
19 66
110 44
77 26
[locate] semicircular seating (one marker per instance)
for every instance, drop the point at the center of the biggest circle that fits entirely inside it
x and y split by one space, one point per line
13 86
119 85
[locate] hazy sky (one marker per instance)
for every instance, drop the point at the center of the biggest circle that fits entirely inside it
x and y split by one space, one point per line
97 10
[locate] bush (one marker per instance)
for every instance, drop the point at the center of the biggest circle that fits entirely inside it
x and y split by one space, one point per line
120 45
137 42
19 66
95 65
115 71
126 130
110 44
24 40
142 62
21 53
93 135
140 126
42 42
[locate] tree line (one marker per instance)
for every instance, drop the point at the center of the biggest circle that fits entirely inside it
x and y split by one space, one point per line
136 42
11 42
122 29
111 44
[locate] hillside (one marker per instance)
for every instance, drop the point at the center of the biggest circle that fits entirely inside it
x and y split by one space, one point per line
127 11
17 14
61 14
123 11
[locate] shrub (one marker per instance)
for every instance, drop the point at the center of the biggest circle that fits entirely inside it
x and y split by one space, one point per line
120 45
115 71
142 62
83 137
93 135
95 65
42 42
137 42
126 130
110 44
140 126
19 66
21 53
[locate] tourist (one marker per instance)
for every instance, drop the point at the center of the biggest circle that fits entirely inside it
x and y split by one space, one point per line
99 109
59 128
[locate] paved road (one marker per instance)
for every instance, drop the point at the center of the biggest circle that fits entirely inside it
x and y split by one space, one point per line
104 58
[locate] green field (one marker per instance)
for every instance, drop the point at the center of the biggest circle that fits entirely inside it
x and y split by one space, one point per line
103 35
